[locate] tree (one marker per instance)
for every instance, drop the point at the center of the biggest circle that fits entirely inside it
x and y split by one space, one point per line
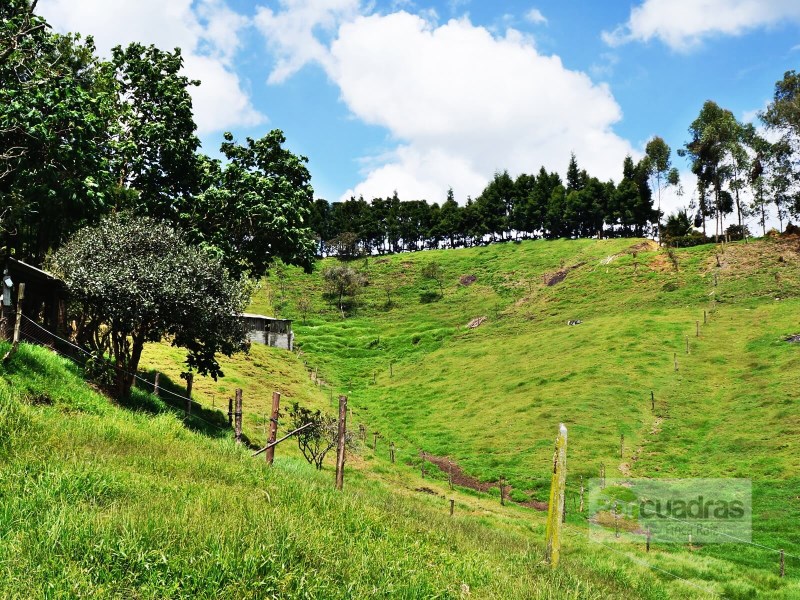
678 225
255 208
304 307
496 203
342 281
316 440
58 120
433 270
576 178
155 157
714 134
134 280
660 170
782 116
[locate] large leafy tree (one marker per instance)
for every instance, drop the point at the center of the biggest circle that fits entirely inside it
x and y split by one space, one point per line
155 156
496 203
134 280
58 119
255 208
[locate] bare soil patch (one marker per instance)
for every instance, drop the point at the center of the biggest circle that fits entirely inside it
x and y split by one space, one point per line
467 280
477 322
552 279
459 477
535 504
793 339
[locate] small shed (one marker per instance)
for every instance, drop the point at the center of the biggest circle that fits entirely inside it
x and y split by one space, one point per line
268 330
45 295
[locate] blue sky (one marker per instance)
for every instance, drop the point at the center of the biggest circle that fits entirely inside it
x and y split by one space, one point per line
418 96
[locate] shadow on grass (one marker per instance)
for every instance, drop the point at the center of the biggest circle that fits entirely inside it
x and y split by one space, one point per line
172 398
33 369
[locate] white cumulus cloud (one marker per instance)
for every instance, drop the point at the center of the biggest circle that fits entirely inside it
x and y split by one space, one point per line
683 24
461 103
207 33
292 32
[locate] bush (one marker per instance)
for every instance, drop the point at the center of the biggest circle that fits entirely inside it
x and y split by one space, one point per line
736 232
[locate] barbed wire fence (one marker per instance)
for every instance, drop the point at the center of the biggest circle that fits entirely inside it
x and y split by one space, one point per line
34 333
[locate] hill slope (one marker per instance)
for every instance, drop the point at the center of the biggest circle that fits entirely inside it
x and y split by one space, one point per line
491 398
97 500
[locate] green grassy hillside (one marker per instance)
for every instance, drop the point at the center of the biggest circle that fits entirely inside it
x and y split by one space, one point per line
99 500
491 398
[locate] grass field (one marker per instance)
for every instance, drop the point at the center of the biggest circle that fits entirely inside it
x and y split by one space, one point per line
489 398
99 500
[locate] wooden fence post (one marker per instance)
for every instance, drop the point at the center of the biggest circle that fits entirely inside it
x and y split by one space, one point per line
675 359
156 381
782 564
391 370
230 412
647 547
557 496
653 400
189 381
452 506
580 509
340 450
273 427
422 466
362 432
17 323
391 452
238 416
502 491
697 328
450 473
374 440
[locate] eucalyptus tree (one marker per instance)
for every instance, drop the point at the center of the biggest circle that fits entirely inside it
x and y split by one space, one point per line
782 116
713 134
660 171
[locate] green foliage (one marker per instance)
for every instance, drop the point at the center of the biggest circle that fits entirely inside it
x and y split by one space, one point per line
57 122
433 271
155 159
343 282
677 225
134 280
255 208
318 438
